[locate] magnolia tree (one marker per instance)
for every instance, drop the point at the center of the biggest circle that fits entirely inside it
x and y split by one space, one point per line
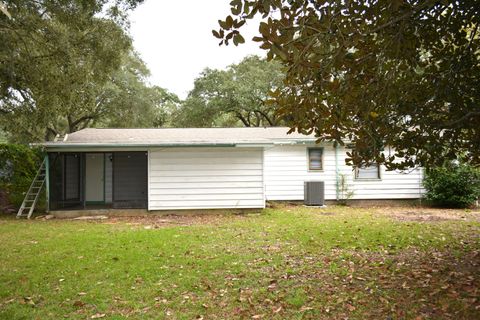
400 73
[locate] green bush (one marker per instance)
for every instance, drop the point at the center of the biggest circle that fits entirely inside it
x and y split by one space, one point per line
18 166
455 185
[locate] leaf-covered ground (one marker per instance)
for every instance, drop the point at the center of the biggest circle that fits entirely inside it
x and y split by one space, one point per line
286 262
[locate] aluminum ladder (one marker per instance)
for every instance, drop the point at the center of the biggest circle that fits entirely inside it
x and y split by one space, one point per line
31 198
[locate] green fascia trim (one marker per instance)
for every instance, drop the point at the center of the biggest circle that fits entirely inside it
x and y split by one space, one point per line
129 147
132 145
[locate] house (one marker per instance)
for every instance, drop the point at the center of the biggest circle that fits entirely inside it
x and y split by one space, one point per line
206 168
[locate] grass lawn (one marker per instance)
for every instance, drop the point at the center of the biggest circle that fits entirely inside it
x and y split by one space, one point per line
284 263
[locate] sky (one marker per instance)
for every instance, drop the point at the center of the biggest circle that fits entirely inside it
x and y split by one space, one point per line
175 40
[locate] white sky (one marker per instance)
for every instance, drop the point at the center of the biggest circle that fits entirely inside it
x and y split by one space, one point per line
175 40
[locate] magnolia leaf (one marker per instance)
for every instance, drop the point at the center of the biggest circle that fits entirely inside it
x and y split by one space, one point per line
237 24
229 22
223 24
216 34
279 52
264 29
237 39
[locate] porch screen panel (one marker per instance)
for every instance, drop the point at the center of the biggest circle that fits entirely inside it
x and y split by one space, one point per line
65 181
130 180
72 177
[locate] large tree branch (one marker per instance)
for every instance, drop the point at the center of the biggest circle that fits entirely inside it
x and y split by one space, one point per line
242 118
265 115
410 13
50 131
460 121
72 126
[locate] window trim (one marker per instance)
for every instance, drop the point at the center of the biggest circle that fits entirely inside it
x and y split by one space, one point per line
322 159
379 174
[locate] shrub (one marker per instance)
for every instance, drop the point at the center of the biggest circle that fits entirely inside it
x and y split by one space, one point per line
18 166
455 185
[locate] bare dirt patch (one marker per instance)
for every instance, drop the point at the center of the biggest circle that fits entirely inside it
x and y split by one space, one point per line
421 214
154 221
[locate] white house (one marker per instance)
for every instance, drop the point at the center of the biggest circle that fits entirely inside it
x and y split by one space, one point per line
206 168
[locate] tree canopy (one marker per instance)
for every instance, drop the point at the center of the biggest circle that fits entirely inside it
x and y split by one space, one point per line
127 101
67 65
402 73
237 96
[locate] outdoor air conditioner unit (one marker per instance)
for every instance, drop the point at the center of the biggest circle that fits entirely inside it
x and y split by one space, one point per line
314 193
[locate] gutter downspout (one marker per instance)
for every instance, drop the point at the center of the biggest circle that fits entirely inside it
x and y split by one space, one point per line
337 182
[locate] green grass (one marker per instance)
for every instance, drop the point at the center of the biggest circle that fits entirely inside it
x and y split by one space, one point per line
288 262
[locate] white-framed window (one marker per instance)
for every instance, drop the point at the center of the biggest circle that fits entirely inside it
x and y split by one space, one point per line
315 159
372 171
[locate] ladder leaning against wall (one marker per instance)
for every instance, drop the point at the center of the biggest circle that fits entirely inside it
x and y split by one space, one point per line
33 193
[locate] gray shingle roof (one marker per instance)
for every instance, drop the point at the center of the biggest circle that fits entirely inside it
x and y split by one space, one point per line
180 136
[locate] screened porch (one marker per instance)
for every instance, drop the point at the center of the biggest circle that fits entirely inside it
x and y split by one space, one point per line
97 180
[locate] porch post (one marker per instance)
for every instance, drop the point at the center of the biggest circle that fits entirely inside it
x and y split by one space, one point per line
337 171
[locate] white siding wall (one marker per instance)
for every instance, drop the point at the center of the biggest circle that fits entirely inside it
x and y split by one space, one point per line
205 178
286 169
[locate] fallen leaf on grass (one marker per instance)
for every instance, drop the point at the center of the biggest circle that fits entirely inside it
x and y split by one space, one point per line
350 307
272 286
79 304
304 308
277 310
98 316
28 300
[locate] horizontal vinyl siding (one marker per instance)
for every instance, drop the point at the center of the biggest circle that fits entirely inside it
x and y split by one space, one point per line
286 169
206 178
392 185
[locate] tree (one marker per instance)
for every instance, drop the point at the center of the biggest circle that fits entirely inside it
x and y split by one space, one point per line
129 102
55 58
236 96
401 73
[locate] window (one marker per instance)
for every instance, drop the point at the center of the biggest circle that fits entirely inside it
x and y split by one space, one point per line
371 171
315 161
